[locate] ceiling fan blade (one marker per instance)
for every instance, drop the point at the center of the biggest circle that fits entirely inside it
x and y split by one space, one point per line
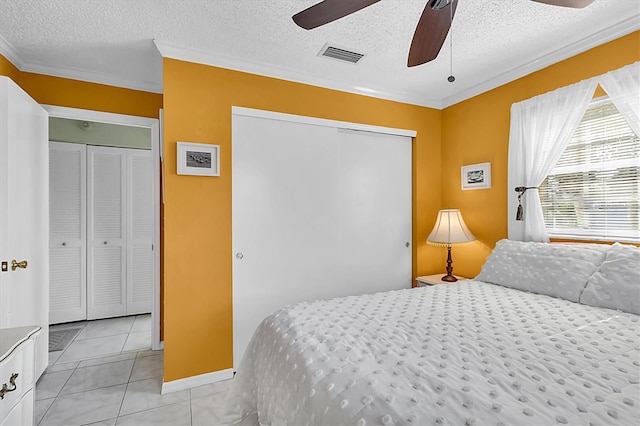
431 31
578 4
328 11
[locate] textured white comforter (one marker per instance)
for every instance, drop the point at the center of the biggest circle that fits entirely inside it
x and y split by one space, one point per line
451 354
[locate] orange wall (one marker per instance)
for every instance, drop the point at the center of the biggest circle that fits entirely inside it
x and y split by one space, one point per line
197 218
8 69
477 131
97 97
65 92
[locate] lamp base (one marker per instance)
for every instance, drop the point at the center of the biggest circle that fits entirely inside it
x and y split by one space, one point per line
449 278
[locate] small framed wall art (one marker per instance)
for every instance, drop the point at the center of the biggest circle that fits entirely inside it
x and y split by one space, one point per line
476 176
198 159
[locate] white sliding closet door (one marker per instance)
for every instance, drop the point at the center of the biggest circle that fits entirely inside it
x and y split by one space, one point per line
106 267
374 211
140 231
67 232
318 212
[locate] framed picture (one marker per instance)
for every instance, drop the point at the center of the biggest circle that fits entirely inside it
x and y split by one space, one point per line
476 176
198 159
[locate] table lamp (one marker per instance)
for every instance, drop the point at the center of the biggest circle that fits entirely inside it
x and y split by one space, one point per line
450 229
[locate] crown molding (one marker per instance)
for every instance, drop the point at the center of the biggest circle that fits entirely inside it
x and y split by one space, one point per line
616 31
7 50
93 77
168 50
10 53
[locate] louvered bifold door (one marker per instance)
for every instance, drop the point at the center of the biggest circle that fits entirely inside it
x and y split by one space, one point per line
106 227
140 231
67 232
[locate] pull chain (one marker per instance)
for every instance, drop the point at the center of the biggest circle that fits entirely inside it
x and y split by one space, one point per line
451 78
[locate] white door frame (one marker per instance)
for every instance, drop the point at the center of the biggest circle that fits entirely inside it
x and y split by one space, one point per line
154 126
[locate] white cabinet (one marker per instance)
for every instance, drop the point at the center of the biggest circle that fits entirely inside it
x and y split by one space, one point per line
17 375
109 268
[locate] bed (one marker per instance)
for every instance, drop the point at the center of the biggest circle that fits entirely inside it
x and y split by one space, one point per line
545 334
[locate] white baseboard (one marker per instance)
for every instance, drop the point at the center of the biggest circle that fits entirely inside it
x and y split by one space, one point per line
193 381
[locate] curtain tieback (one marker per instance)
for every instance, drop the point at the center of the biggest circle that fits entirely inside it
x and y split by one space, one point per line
521 190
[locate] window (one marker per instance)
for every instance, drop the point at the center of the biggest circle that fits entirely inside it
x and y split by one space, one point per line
592 193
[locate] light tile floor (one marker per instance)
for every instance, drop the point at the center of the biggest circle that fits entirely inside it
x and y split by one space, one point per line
109 376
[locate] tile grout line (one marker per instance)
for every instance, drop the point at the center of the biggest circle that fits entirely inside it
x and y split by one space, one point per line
89 390
129 381
154 408
190 408
124 395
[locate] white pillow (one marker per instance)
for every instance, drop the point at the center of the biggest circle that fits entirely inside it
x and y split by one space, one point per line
558 270
616 284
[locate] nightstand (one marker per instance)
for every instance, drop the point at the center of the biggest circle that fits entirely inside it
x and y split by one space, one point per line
428 280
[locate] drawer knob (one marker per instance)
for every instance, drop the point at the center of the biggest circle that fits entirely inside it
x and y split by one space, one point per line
7 389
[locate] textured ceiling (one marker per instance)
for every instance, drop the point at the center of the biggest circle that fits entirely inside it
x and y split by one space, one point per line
494 41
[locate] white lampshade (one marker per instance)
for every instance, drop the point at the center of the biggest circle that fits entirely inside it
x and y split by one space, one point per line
450 229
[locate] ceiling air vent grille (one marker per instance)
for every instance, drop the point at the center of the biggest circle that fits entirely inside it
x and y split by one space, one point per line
341 54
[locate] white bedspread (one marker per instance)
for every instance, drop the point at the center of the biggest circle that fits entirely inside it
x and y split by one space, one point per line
451 354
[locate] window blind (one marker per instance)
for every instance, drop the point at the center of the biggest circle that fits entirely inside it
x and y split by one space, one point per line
592 192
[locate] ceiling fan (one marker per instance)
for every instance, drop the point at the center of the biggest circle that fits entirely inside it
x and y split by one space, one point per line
430 33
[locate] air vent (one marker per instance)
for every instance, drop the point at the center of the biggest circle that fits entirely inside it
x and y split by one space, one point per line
340 54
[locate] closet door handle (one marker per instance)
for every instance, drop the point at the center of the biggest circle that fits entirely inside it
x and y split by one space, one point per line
104 242
64 244
15 264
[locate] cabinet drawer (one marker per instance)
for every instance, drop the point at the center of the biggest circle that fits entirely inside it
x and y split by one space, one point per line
12 364
22 414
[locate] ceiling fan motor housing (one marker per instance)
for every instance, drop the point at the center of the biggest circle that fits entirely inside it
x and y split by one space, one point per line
440 4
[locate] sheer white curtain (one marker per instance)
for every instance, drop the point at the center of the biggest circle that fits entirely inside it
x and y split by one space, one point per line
541 128
623 87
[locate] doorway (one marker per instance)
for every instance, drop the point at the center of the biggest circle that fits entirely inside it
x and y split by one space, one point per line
140 126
